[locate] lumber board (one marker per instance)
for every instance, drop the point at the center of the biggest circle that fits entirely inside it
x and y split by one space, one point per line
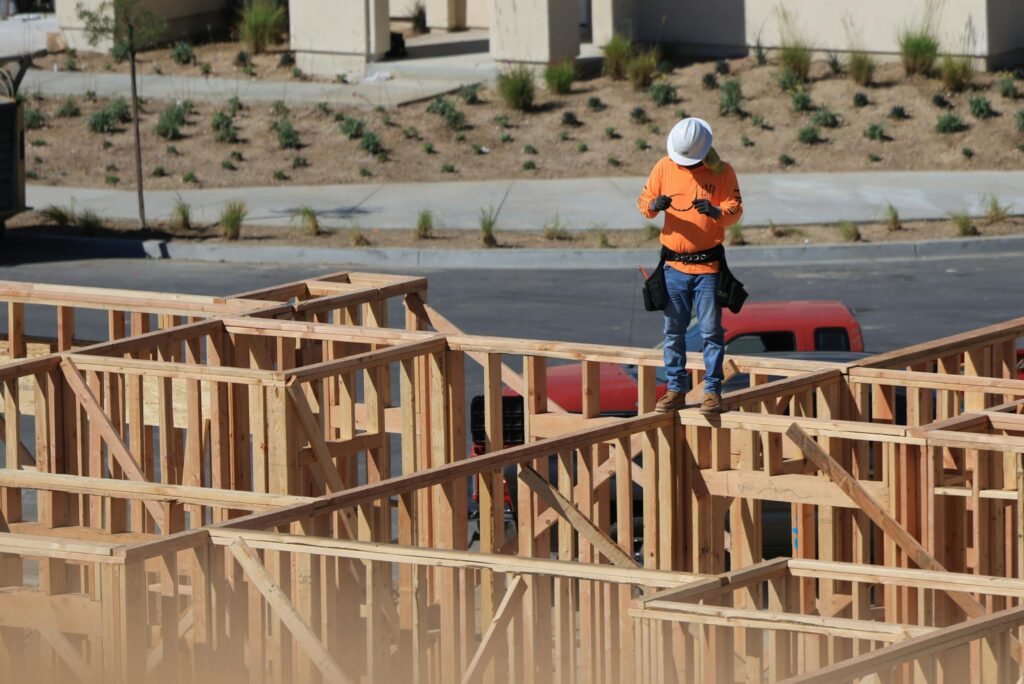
510 603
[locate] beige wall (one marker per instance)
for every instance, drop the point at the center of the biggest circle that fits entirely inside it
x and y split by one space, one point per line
534 31
478 13
183 17
338 36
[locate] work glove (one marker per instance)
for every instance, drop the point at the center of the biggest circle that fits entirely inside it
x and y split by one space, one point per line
661 203
704 206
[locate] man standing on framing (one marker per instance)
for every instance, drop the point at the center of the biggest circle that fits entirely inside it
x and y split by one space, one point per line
701 198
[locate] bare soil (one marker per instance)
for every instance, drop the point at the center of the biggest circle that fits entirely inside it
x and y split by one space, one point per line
71 155
465 239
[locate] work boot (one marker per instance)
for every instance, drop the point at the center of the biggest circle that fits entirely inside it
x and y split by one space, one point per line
712 403
671 401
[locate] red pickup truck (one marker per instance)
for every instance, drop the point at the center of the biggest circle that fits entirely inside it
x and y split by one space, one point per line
759 328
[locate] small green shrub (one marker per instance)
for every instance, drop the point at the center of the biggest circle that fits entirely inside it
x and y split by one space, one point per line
825 118
638 115
800 100
569 119
231 219
228 165
614 162
171 120
205 69
758 122
236 156
730 98
119 108
746 142
963 225
529 165
89 221
280 176
968 153
111 168
795 57
106 145
709 81
616 54
940 101
353 128
529 149
994 211
641 145
38 142
309 220
956 73
892 218
861 67
595 104
1019 120
581 147
787 81
242 59
69 108
848 231
786 161
563 136
835 63
365 172
875 132
224 129
287 136
898 113
502 120
234 106
61 216
173 151
470 93
410 133
760 56
553 230
516 88
809 135
429 148
371 143
262 23
860 100
299 162
425 225
641 68
181 215
448 168
981 108
190 177
874 158
1007 87
919 48
505 137
611 133
950 122
662 93
488 226
559 77
183 54
34 119
160 172
722 67
297 73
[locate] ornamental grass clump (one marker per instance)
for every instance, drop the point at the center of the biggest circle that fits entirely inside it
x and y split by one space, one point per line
861 67
559 77
919 48
956 73
641 68
231 219
950 122
261 24
425 225
730 98
616 54
516 88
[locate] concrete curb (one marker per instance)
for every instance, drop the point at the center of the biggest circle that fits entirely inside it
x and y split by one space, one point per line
513 259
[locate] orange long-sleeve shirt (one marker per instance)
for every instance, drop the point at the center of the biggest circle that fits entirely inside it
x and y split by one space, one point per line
686 229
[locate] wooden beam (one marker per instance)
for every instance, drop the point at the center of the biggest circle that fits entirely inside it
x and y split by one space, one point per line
878 514
63 647
804 489
721 584
508 607
729 371
99 421
565 508
912 649
285 611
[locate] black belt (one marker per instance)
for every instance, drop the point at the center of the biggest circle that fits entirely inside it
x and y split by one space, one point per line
716 253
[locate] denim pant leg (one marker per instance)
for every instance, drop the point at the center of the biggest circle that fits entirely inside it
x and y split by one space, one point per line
709 318
677 318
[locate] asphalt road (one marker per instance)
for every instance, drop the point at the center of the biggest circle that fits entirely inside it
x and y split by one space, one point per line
897 303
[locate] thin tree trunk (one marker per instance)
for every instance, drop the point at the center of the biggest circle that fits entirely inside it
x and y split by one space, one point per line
138 137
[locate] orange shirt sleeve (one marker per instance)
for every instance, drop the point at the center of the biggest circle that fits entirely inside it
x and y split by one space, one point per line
651 190
730 201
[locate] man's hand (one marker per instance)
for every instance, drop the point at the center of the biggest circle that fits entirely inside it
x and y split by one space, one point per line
660 203
704 206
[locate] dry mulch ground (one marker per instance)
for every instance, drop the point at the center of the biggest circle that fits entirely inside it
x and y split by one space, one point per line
551 239
68 154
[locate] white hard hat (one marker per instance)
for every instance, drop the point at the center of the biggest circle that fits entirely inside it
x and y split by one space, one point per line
689 141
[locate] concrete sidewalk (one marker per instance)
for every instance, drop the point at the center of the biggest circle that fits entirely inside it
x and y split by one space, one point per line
391 93
580 204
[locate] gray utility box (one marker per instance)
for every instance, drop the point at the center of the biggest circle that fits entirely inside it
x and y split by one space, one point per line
12 159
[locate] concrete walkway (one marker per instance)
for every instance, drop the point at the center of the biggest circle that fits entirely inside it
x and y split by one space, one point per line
580 204
391 93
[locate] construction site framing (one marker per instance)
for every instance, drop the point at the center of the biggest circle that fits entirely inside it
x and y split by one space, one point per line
276 487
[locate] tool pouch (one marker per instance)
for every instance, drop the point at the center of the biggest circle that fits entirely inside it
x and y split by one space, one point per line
655 289
730 294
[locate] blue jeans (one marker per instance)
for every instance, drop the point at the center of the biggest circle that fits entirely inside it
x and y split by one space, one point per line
684 292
